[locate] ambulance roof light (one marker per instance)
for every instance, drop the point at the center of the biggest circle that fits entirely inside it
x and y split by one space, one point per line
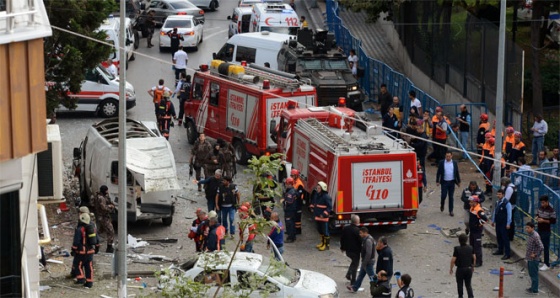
266 84
204 67
244 63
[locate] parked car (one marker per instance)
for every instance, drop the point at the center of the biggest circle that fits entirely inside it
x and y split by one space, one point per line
165 8
253 275
207 4
187 26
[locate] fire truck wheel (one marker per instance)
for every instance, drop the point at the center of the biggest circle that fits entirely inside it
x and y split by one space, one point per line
240 152
191 132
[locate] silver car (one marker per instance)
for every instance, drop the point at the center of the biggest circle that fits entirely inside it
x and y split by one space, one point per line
165 8
207 4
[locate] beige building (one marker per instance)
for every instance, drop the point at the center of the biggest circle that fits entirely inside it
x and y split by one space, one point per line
23 136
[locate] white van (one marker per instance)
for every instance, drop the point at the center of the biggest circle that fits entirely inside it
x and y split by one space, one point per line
111 26
274 17
254 47
240 20
151 173
100 94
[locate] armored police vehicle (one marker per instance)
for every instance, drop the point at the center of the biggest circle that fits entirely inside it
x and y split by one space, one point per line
316 59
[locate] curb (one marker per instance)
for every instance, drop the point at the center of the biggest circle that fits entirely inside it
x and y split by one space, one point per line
547 277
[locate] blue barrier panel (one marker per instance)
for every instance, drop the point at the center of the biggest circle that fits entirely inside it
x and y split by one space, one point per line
529 190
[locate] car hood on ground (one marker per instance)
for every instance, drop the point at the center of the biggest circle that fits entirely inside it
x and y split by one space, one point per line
317 282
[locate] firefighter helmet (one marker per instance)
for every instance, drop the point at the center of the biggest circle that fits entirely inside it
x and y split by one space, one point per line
510 129
84 217
290 180
488 135
491 141
518 134
323 185
294 172
484 117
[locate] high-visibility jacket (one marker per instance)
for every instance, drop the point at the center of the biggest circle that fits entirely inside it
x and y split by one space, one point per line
299 187
477 218
482 129
509 141
517 151
440 133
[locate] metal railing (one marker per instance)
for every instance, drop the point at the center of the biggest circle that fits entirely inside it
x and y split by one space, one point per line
530 187
10 15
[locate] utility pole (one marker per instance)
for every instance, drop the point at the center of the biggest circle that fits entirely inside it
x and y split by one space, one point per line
121 248
500 94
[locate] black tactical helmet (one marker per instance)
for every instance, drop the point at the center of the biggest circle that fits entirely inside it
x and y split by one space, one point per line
103 188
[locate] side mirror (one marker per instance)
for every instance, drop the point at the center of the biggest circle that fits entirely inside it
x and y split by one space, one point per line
214 56
128 42
228 18
77 153
272 127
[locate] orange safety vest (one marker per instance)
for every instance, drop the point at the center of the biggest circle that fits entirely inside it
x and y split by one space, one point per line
509 142
251 233
220 234
440 134
474 210
297 184
486 150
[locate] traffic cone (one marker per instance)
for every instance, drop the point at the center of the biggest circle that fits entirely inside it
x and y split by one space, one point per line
63 206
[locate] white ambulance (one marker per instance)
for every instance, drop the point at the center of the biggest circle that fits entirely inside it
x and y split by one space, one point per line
274 17
111 26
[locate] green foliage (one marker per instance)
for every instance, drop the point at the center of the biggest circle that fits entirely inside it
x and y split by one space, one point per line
260 168
174 284
67 56
372 8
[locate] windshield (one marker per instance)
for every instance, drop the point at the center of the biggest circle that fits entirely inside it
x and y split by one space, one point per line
105 72
282 30
280 272
336 64
181 5
178 24
311 64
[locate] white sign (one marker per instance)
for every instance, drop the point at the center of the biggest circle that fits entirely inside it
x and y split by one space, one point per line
377 184
300 154
236 110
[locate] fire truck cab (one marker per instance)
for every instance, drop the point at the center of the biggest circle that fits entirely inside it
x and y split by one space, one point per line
236 103
368 173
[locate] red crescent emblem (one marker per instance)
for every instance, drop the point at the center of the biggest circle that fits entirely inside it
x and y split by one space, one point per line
266 21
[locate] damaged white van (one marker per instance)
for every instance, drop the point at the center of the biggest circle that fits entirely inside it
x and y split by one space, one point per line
150 166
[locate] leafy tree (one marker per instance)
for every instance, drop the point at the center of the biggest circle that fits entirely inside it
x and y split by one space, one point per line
68 56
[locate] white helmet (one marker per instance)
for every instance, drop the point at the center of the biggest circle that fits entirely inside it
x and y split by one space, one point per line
323 185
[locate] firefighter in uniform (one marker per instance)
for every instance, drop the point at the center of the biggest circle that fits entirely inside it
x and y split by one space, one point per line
83 248
322 206
518 149
509 142
289 201
75 271
483 128
165 113
199 154
476 219
227 159
301 197
247 230
103 210
487 162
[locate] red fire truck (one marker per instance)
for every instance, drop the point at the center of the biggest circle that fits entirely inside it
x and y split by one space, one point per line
236 103
367 172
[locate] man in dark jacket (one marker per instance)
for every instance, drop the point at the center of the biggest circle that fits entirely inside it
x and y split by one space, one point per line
368 259
476 219
351 243
384 99
216 236
288 201
472 190
384 258
447 176
212 184
420 145
380 286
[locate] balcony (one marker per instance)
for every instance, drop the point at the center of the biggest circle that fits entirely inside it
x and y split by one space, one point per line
22 20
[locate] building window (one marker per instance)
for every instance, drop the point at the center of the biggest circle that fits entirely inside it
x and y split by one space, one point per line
10 245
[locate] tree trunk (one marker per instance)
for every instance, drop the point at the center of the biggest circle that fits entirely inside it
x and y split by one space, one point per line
536 45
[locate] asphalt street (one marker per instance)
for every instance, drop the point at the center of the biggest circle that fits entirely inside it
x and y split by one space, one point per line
421 250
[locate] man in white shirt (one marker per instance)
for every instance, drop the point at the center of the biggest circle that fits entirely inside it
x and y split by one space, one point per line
539 129
111 68
447 176
353 60
415 102
180 59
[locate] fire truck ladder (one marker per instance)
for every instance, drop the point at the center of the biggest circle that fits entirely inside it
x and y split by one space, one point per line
317 130
277 80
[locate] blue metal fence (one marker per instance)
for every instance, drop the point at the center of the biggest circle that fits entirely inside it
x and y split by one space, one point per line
530 187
